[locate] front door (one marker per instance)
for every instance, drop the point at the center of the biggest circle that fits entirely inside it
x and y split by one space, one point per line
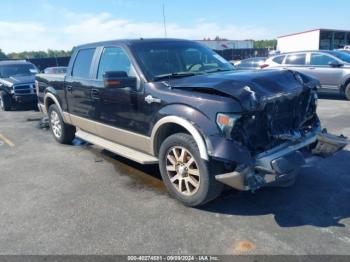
118 111
319 68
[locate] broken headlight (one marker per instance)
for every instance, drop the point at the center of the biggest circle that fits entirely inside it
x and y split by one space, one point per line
226 122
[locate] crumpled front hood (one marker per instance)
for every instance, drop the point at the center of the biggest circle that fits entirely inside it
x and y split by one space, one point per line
15 80
251 88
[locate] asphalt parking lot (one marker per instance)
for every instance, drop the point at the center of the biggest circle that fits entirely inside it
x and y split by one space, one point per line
79 199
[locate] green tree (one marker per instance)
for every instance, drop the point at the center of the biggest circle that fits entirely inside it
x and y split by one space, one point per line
218 38
2 55
39 54
271 44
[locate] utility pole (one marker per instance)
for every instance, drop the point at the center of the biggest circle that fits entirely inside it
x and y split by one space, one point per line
164 22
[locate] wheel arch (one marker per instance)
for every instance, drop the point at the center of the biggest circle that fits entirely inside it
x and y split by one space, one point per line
50 99
173 124
345 83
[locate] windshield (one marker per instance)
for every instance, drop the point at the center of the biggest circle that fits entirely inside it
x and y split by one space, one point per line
17 70
177 59
342 56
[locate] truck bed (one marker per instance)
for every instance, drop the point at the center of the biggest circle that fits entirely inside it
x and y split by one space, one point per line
45 81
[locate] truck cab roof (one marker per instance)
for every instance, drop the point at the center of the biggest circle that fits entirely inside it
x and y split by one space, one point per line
13 62
131 42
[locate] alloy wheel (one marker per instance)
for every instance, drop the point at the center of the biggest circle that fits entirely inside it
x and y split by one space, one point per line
182 170
56 125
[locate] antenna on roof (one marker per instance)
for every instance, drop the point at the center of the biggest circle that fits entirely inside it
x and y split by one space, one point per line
164 22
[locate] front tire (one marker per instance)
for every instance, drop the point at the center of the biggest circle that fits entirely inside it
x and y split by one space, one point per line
188 178
347 91
62 132
5 101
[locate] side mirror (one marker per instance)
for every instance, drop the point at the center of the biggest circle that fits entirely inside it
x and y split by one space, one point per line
119 79
335 64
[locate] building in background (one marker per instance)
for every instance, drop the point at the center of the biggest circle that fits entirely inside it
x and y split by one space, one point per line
317 39
233 50
228 44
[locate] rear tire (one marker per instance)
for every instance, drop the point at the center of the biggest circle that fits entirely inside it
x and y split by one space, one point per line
62 132
188 177
5 101
347 91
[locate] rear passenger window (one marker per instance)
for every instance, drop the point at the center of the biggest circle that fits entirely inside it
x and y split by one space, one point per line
321 59
82 64
278 59
297 59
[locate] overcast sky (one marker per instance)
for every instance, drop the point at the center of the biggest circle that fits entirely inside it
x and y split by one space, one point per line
61 24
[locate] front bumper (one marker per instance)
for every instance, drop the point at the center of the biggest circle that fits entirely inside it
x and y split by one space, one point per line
282 163
30 98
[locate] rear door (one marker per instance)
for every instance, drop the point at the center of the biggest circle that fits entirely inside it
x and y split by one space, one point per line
276 61
319 68
79 87
296 62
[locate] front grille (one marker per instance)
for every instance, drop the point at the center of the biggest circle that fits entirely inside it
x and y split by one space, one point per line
288 114
24 89
280 118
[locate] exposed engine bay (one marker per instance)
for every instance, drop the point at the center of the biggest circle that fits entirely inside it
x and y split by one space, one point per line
282 119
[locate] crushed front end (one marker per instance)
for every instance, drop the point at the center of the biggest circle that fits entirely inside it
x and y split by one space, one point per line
278 135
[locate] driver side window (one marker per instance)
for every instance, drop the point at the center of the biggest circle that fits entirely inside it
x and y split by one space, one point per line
321 59
114 59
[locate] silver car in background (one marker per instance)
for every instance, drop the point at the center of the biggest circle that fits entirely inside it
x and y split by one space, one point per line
253 63
331 68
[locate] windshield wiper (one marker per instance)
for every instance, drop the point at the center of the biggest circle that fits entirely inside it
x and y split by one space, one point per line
218 70
174 75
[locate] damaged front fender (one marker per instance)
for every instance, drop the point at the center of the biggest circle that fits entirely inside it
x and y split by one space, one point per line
227 150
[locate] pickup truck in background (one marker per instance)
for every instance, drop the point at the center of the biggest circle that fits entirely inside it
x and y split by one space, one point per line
179 104
55 70
17 79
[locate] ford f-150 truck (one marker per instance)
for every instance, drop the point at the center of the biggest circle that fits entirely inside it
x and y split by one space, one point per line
179 104
17 83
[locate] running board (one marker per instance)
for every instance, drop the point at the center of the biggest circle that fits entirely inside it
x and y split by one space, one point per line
118 149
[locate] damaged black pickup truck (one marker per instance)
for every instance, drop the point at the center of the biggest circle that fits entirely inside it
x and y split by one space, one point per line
179 104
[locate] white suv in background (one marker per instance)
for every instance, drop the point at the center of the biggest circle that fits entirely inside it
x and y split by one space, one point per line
331 68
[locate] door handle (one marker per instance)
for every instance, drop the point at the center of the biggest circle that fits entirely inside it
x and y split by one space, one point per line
95 93
312 68
69 88
150 99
